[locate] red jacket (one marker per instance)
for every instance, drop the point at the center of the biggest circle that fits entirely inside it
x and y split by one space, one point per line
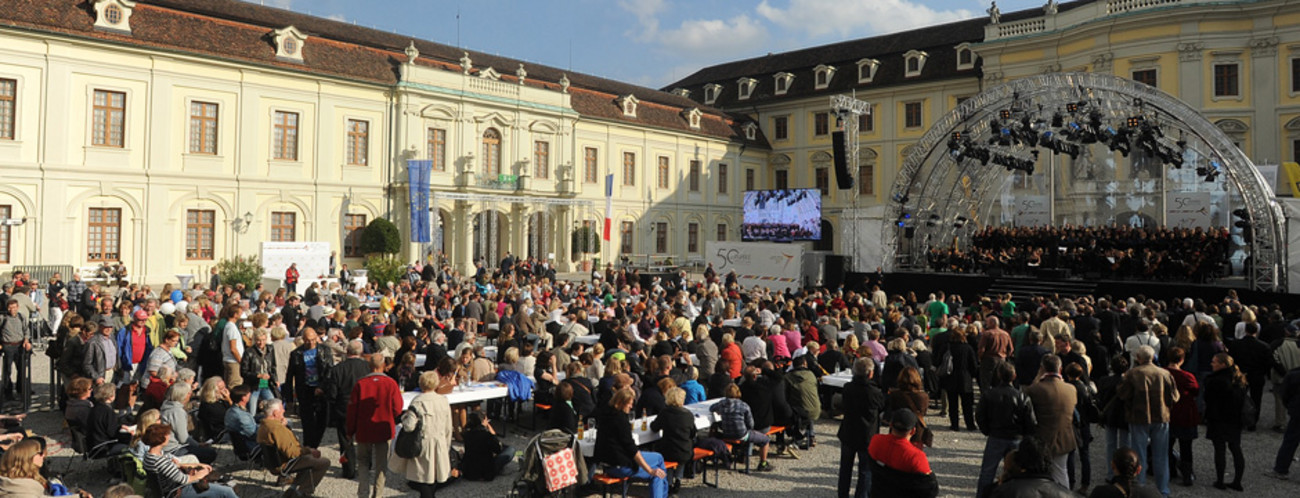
731 353
373 410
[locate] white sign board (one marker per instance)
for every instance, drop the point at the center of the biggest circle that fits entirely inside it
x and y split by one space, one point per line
1032 211
775 266
1270 174
1188 210
313 259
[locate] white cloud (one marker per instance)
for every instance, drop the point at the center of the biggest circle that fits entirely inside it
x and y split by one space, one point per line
856 18
711 38
647 17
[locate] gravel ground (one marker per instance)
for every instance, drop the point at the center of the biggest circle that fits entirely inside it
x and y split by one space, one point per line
955 457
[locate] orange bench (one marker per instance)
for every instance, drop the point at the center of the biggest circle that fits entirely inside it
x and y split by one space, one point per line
605 481
699 458
538 407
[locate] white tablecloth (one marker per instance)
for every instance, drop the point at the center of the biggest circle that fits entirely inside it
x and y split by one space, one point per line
838 380
587 339
844 334
467 393
704 419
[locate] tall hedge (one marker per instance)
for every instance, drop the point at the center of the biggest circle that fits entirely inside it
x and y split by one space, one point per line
381 237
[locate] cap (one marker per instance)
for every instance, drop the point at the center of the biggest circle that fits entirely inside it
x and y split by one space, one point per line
141 315
106 322
902 419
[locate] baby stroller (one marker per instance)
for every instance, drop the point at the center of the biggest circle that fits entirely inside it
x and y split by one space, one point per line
547 471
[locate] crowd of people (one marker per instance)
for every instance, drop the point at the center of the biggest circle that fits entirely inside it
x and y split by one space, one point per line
1113 252
171 378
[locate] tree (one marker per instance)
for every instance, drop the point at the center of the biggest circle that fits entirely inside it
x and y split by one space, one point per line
381 237
585 240
384 269
241 270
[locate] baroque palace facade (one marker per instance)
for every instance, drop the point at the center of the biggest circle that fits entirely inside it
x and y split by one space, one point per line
168 134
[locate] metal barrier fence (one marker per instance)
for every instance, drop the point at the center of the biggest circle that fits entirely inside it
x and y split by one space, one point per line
41 273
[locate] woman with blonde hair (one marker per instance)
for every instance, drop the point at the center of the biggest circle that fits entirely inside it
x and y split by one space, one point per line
1247 316
431 413
20 470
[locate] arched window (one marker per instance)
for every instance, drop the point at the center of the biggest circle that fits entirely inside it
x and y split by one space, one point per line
492 153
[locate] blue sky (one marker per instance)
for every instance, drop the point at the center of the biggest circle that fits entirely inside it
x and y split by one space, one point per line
646 42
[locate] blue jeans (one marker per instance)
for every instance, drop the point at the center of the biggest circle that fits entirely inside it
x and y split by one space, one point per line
257 394
214 489
847 455
1290 441
658 487
1115 439
995 449
1158 436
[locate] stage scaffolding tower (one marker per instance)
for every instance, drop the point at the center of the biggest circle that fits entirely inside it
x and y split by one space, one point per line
848 109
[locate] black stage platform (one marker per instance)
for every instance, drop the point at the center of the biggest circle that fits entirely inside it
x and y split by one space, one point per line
972 287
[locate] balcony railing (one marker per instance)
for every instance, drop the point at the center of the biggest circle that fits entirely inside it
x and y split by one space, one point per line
499 182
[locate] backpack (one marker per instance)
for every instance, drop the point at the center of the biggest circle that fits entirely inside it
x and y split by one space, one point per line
410 444
945 365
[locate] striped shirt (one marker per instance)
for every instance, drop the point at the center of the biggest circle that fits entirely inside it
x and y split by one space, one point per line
163 468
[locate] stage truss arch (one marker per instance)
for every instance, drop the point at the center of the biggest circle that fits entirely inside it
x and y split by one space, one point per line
941 195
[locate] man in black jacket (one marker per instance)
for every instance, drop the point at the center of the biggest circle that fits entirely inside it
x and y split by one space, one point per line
862 404
1034 478
1005 415
338 390
1255 359
309 366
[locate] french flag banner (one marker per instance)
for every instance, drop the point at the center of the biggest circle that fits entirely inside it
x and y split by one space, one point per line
609 204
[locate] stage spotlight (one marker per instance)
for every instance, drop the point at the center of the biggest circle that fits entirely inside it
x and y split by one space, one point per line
1071 107
1004 114
1134 121
907 216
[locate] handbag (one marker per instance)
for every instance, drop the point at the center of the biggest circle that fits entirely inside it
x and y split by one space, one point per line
410 444
561 471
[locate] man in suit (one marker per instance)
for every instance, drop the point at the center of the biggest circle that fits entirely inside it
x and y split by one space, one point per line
1255 359
1053 400
1149 392
862 404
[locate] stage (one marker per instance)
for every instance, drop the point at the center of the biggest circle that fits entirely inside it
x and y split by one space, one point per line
972 287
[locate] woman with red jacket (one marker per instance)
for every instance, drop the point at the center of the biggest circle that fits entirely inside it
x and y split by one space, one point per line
1183 417
731 353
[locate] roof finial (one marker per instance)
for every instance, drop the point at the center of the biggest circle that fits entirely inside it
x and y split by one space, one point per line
995 15
564 83
412 52
1051 7
521 73
466 63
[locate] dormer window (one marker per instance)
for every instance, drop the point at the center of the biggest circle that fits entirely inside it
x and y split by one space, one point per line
823 74
783 82
288 44
965 57
628 103
915 62
711 93
867 70
682 92
746 87
114 15
693 117
751 131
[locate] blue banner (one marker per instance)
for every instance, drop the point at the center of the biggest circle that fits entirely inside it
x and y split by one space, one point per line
419 181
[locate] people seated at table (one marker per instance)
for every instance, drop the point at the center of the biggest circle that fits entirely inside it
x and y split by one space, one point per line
617 451
584 391
545 378
720 379
899 468
431 413
176 479
805 404
736 422
159 381
485 456
562 415
694 390
676 426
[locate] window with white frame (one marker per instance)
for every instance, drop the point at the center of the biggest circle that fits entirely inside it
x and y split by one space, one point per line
824 74
783 82
628 103
1227 79
692 237
8 107
751 131
745 87
358 152
965 57
867 70
915 62
722 232
693 116
711 93
203 127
